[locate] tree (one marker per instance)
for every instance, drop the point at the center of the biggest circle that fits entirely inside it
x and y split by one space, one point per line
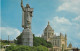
37 41
19 39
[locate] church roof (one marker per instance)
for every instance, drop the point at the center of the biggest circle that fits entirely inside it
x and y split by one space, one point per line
48 27
70 45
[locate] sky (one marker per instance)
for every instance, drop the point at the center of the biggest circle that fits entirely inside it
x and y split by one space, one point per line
63 15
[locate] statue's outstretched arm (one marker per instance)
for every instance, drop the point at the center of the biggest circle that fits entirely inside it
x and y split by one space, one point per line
22 5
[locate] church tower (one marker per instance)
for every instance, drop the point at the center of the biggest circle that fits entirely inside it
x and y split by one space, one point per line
48 32
65 41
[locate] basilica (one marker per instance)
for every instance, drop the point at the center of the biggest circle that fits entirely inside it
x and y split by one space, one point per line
59 43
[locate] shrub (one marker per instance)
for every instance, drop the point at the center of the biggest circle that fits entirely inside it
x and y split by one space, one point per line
26 48
10 48
42 48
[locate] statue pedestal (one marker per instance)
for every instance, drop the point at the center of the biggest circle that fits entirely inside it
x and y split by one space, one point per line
27 37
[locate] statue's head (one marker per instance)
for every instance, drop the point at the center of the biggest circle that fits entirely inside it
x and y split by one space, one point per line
27 5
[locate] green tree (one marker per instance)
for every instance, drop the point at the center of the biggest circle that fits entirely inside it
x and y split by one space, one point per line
19 39
37 41
42 48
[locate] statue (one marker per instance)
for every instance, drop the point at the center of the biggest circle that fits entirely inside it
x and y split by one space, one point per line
27 15
27 35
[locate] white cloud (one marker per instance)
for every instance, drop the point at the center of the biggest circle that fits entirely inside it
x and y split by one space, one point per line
61 24
76 18
61 20
12 32
65 24
70 5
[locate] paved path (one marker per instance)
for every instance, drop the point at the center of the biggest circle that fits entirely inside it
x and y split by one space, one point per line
2 49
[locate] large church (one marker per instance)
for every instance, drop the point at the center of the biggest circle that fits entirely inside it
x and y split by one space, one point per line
59 43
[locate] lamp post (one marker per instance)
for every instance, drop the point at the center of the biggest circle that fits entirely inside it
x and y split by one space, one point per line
8 39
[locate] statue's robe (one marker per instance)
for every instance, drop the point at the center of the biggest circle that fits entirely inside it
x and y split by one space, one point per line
27 17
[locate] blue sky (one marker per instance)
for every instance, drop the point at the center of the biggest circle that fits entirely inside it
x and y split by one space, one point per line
63 15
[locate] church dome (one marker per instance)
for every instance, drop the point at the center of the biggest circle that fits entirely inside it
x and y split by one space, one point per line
49 28
48 32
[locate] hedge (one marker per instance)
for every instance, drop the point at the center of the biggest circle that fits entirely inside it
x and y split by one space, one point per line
26 48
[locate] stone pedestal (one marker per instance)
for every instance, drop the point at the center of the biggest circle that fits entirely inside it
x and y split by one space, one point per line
27 37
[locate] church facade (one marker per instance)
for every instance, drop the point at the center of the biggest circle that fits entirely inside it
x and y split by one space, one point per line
59 43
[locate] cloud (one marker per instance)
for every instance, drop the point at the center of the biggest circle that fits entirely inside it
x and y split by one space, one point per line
70 6
12 32
60 24
61 20
77 19
65 24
